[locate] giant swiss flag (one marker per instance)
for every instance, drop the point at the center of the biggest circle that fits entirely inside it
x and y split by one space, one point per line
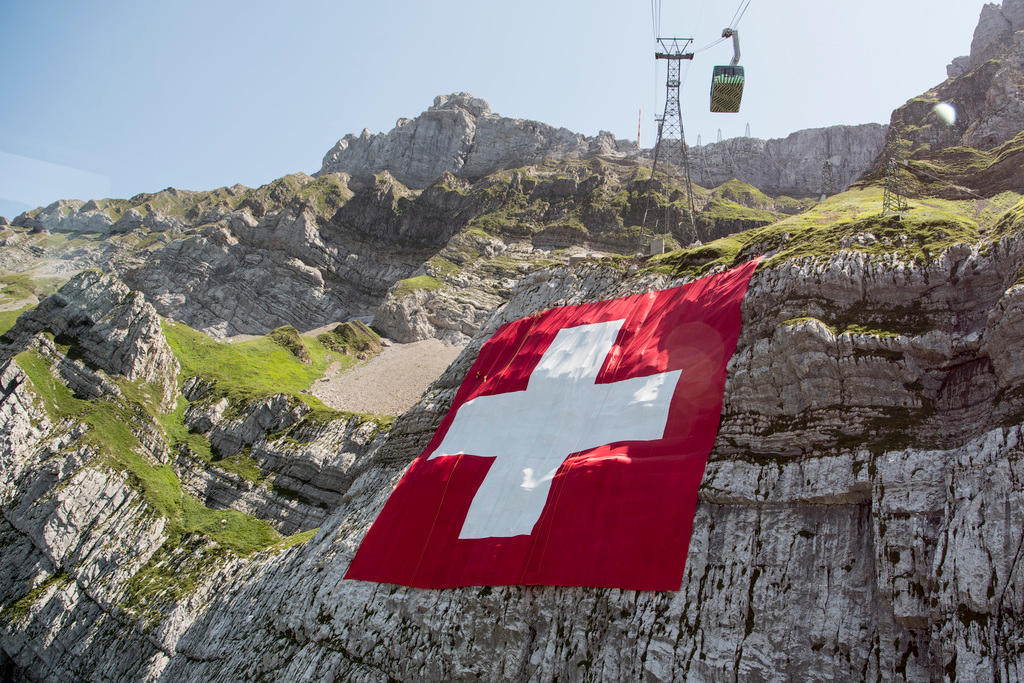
573 450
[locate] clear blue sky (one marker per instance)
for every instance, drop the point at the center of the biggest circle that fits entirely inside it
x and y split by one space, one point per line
114 98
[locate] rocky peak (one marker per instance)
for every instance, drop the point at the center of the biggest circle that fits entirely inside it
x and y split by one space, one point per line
996 26
985 88
459 134
461 100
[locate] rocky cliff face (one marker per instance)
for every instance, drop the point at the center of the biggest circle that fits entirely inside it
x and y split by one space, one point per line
308 252
859 516
792 165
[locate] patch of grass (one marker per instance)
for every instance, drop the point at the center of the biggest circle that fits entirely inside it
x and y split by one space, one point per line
852 221
476 232
237 531
8 318
697 261
18 610
296 539
16 286
724 209
404 288
444 268
248 371
739 192
178 434
1011 222
21 286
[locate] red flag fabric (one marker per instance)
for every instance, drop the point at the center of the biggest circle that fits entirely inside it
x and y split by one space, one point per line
573 450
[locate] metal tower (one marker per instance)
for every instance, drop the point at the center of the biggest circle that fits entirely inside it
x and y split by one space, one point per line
828 180
671 145
894 197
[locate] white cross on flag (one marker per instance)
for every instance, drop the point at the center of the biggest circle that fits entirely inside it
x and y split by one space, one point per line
572 452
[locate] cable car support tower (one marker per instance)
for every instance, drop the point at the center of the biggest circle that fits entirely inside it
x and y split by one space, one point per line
671 144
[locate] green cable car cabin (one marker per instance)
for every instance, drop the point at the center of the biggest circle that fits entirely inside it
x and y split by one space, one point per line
727 89
727 81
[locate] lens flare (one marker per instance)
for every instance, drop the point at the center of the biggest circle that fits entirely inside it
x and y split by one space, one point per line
946 112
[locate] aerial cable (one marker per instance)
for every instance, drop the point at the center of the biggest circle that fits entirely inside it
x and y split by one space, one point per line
710 45
739 13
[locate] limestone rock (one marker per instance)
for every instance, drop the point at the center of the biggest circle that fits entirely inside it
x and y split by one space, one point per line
73 215
460 135
994 29
790 166
958 67
113 328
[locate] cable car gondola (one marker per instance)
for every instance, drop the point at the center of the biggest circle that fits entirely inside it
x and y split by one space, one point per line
727 80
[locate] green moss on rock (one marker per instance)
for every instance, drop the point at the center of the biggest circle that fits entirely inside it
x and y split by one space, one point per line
287 337
404 288
352 339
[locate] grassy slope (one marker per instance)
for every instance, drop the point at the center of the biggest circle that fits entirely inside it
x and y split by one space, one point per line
8 318
110 435
251 370
844 222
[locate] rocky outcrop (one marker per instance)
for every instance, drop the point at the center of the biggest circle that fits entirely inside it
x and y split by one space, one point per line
995 29
68 215
107 325
460 135
290 267
305 470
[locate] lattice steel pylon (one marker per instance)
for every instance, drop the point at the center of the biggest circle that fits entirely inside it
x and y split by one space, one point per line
894 196
671 146
828 180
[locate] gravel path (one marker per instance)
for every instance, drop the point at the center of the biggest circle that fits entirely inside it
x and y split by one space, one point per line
389 383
